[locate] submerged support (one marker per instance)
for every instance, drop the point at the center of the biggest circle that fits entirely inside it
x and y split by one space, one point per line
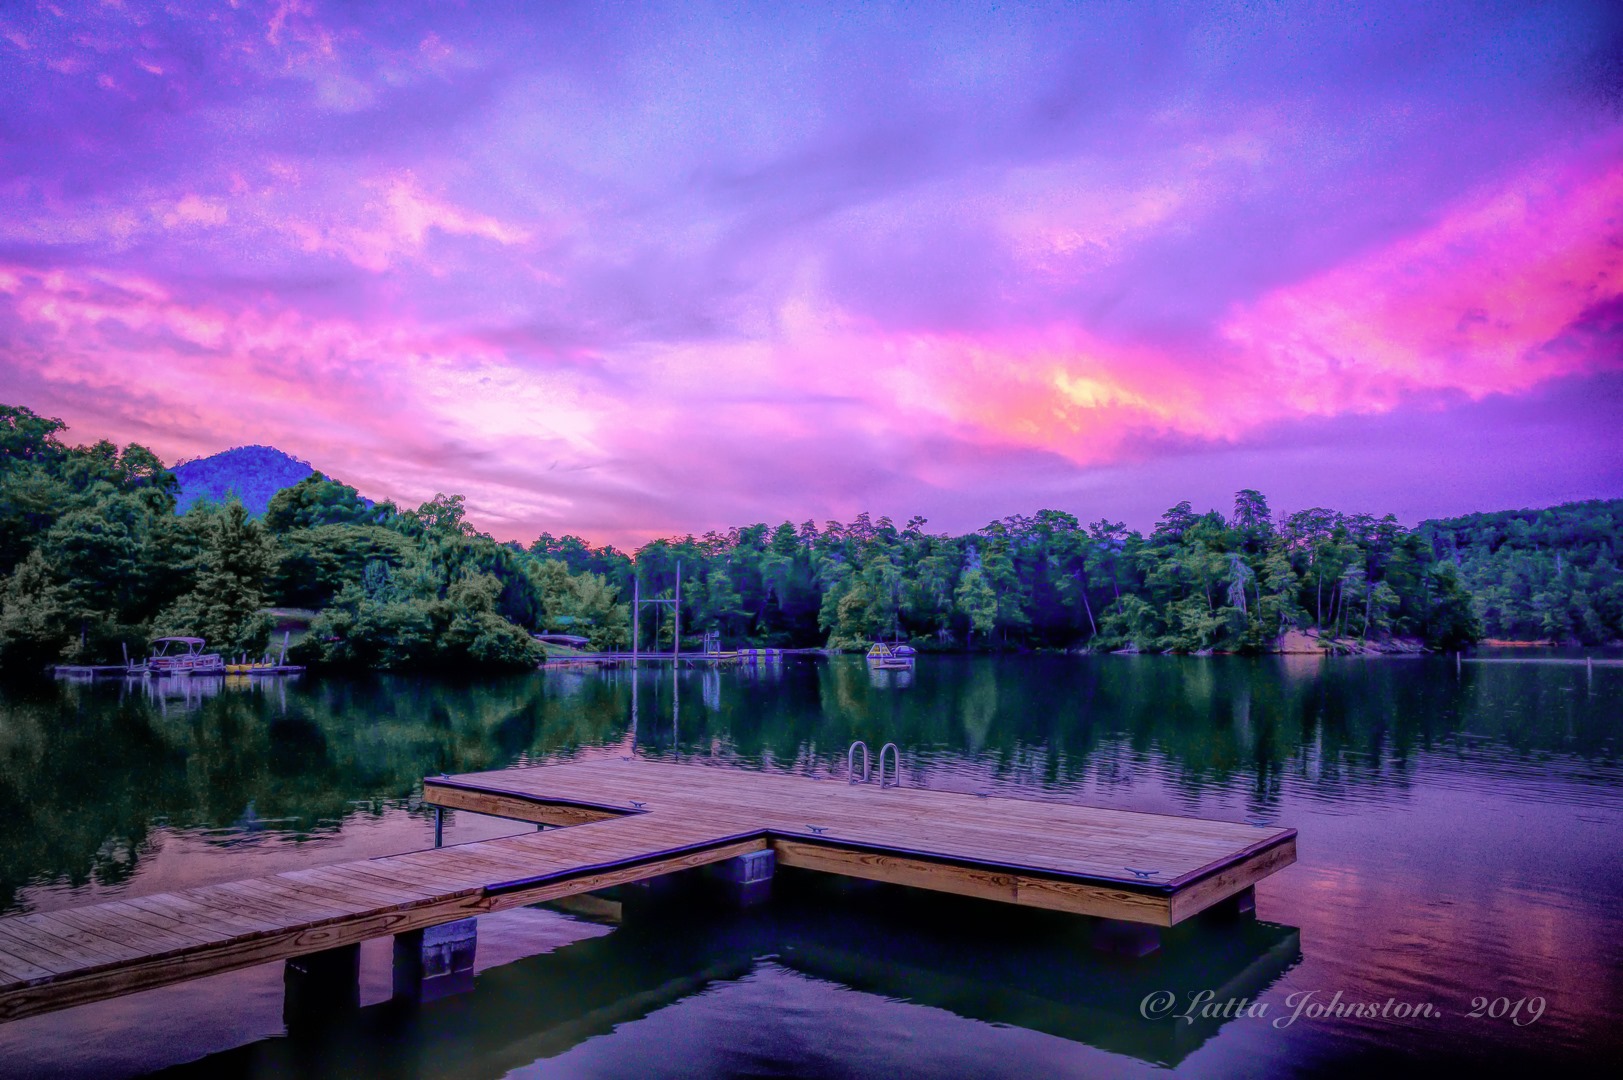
321 987
1242 905
655 899
1125 938
748 878
435 962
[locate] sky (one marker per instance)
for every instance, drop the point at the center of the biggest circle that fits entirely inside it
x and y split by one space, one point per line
630 271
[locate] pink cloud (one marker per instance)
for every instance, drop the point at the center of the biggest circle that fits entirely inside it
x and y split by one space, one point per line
375 405
1472 303
1476 303
196 210
399 221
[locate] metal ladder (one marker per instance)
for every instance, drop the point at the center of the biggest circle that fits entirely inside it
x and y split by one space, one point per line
850 763
895 770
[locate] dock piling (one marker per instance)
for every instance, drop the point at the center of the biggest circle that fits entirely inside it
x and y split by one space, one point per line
1129 939
320 987
749 877
435 962
1242 905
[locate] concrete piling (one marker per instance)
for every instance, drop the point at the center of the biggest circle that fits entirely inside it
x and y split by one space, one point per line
435 962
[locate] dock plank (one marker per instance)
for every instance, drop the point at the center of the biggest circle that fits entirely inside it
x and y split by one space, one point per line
28 944
16 969
196 929
73 942
115 925
190 908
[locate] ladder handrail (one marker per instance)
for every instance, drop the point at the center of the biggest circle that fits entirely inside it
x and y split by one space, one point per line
850 763
896 768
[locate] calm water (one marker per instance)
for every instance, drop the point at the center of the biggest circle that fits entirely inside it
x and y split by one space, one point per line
1459 840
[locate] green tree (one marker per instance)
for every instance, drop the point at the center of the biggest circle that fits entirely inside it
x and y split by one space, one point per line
977 601
224 607
35 618
316 501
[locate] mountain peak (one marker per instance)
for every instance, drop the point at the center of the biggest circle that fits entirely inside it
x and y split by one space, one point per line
252 473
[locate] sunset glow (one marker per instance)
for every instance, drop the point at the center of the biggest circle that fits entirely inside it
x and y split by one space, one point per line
631 274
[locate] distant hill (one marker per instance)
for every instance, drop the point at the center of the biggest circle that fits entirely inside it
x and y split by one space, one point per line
254 473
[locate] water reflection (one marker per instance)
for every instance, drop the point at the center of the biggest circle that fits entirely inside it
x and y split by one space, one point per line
87 771
1028 970
1459 826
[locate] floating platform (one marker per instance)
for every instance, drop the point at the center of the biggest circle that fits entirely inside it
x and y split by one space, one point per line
633 820
121 671
1133 867
92 671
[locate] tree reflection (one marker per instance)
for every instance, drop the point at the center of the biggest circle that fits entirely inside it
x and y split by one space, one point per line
93 776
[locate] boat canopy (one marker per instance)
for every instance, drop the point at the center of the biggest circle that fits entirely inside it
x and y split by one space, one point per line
188 644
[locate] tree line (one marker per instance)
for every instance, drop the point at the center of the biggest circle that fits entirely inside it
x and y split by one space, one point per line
94 560
1551 575
1196 583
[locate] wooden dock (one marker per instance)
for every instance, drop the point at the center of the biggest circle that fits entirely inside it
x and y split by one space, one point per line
747 655
1116 864
634 820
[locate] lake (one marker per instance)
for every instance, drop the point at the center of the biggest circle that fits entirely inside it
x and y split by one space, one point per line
1459 882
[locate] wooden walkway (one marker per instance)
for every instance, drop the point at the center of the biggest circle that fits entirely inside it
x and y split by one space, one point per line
52 960
637 819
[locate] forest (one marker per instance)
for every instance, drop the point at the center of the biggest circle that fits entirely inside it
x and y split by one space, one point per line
1540 575
95 560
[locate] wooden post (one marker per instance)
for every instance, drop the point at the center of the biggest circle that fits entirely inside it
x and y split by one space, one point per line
636 612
